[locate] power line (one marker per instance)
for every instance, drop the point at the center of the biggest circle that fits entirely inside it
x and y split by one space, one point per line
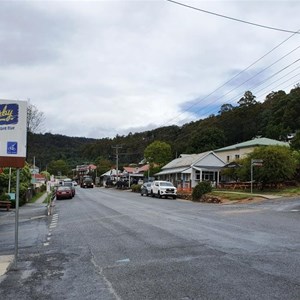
233 19
181 135
235 76
252 77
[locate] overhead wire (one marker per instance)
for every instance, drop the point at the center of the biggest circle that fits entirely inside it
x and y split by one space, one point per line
236 98
244 70
251 78
231 18
234 77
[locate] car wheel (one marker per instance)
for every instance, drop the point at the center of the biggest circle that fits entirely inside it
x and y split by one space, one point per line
174 197
158 194
152 194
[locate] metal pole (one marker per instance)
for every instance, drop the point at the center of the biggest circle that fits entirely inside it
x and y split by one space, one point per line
9 179
251 176
17 218
117 163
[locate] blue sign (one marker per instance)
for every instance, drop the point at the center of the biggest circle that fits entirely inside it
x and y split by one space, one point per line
12 147
9 114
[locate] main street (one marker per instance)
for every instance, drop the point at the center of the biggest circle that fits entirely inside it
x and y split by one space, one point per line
111 244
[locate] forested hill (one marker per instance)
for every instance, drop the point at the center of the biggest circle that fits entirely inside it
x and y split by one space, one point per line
276 117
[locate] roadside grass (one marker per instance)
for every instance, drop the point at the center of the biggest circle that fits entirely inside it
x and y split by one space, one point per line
231 196
47 199
35 197
290 191
241 195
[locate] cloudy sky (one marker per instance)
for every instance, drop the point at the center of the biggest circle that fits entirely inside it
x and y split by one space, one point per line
101 68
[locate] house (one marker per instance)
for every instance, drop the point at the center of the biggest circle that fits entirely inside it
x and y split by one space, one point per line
237 151
110 175
188 170
38 179
135 174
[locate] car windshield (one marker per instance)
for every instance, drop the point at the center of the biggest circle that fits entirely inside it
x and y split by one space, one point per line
63 188
166 184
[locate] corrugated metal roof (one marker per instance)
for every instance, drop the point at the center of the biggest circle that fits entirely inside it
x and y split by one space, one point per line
172 171
185 160
254 143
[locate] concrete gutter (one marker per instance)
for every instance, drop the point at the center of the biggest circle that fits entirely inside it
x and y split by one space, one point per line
5 262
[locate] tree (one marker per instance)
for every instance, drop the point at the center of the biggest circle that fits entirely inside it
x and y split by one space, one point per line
247 100
158 152
225 108
46 174
24 184
206 139
35 119
295 143
103 165
279 164
58 167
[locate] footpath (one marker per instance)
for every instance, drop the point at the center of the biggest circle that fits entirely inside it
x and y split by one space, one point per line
8 217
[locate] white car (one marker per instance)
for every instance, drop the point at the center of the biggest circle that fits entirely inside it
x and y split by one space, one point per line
161 188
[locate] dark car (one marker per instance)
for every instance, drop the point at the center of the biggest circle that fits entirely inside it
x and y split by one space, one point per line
146 189
71 185
87 183
63 192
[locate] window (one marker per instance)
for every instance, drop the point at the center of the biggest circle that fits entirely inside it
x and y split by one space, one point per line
237 156
228 158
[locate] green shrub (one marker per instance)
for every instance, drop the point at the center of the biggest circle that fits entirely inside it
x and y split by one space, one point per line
43 188
136 188
4 197
201 189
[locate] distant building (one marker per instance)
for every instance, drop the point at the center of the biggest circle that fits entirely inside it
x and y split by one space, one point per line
38 179
240 150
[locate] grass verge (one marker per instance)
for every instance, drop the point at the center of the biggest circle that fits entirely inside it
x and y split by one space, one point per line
36 196
231 196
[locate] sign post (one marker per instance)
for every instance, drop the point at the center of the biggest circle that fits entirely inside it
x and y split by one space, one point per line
255 162
13 140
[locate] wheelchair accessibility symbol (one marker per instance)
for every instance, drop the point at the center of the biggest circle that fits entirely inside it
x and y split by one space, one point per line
12 147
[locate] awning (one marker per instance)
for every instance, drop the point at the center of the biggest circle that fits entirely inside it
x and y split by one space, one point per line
207 169
172 171
232 165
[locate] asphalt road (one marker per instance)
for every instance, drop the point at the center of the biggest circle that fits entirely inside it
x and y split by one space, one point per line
110 244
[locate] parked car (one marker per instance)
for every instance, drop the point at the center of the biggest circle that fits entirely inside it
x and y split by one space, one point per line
146 189
71 185
75 183
161 188
63 192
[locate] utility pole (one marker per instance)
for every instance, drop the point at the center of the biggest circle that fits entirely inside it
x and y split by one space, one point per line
117 147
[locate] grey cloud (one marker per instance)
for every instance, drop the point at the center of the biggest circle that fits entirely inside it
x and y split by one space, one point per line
30 35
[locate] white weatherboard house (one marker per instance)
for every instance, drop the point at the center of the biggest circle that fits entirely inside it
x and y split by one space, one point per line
188 170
